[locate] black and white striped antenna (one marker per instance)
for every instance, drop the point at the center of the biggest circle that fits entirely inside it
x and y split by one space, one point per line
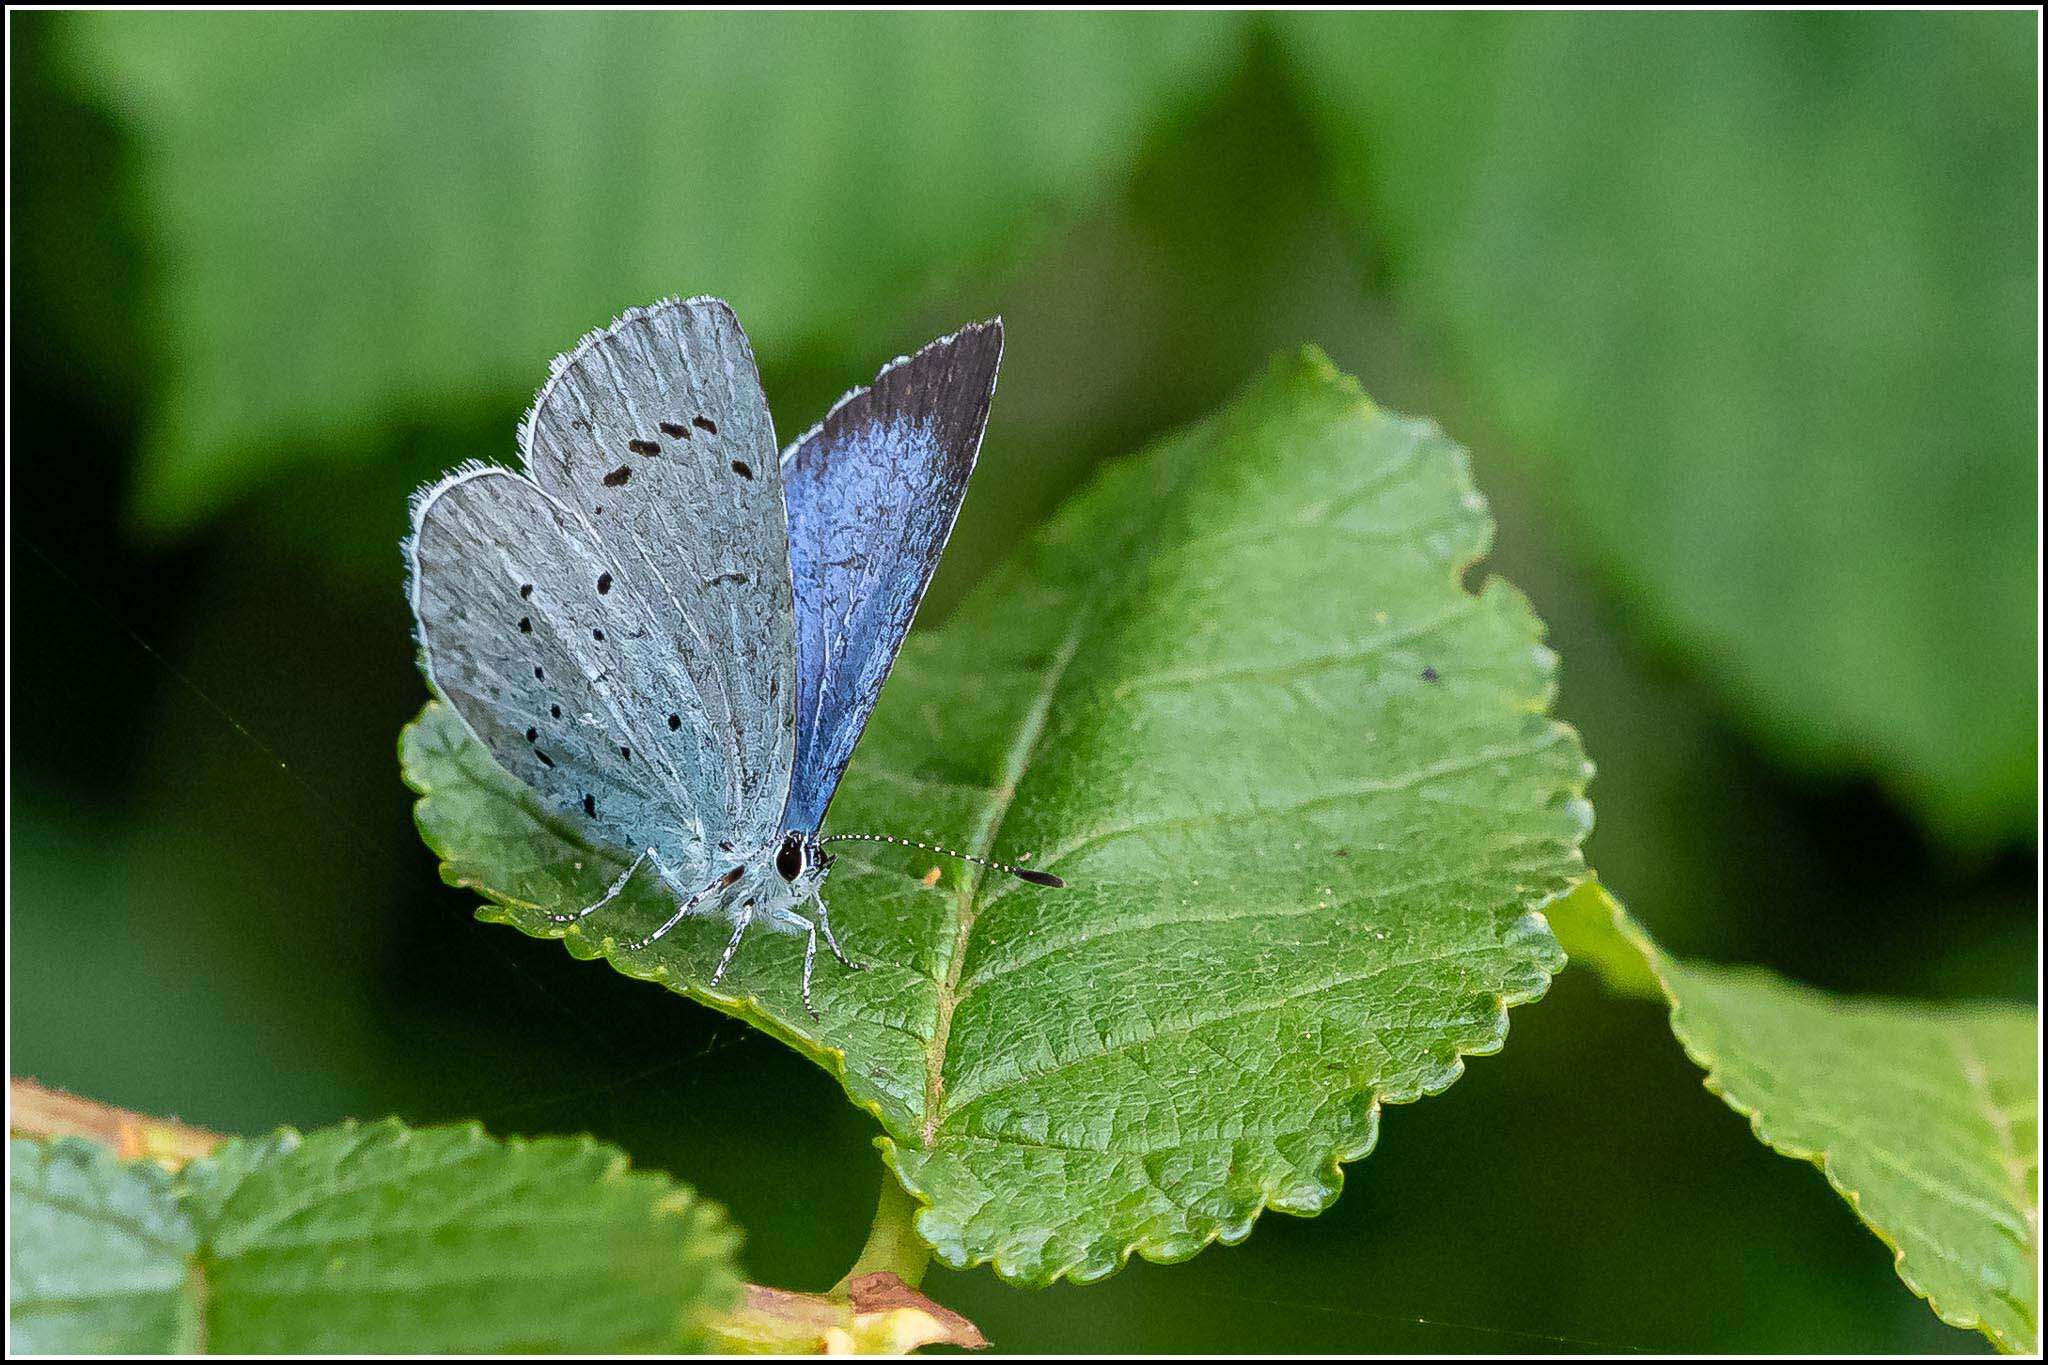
1029 874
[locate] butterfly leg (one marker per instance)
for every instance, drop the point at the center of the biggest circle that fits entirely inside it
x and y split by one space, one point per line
609 896
824 922
732 946
810 958
682 912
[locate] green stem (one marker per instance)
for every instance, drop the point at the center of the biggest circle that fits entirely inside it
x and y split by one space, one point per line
893 1244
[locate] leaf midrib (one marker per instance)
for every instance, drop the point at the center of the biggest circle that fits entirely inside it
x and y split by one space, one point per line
1022 751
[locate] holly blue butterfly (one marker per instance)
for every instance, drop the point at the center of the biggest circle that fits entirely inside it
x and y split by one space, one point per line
675 636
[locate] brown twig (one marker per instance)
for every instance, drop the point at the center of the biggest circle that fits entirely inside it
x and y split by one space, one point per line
35 1110
880 1313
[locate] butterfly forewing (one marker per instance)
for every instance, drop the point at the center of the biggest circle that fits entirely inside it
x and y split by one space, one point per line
504 588
872 493
656 433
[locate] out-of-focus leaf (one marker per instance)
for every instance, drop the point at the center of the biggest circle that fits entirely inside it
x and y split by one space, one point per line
1301 786
1924 1116
1758 295
362 216
375 1238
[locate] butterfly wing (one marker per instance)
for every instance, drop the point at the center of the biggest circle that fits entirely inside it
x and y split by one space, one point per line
502 586
635 579
872 492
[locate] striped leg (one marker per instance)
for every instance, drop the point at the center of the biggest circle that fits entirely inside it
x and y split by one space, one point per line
609 896
824 922
683 911
732 946
810 959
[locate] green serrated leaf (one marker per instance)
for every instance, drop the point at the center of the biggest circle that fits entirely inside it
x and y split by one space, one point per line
100 1254
1924 1116
1756 293
1301 786
432 194
372 1238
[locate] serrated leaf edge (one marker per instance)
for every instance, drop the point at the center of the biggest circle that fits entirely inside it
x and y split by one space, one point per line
1759 1124
1312 363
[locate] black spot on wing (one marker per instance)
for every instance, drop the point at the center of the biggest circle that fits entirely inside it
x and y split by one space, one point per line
617 477
643 447
703 423
679 432
743 469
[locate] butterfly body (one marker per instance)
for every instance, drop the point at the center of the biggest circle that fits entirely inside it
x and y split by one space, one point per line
673 633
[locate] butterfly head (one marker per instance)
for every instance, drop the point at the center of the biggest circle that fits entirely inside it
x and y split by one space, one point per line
801 862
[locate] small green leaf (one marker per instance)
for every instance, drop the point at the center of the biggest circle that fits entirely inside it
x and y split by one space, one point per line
376 1238
1300 784
1925 1117
101 1254
361 216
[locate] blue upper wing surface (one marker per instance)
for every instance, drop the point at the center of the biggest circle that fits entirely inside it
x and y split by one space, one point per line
871 494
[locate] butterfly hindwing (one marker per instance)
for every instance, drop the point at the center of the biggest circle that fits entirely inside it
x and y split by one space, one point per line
503 585
872 493
656 433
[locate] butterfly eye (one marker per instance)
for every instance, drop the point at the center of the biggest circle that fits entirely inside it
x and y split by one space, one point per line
789 860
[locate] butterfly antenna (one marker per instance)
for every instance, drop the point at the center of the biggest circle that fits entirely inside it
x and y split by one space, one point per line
1029 874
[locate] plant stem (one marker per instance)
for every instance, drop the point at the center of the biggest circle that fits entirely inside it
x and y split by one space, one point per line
893 1244
37 1111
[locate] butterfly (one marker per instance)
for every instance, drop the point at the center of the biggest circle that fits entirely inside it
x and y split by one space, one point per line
675 636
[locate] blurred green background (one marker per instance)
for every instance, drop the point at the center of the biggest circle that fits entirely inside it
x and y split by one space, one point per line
1736 312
